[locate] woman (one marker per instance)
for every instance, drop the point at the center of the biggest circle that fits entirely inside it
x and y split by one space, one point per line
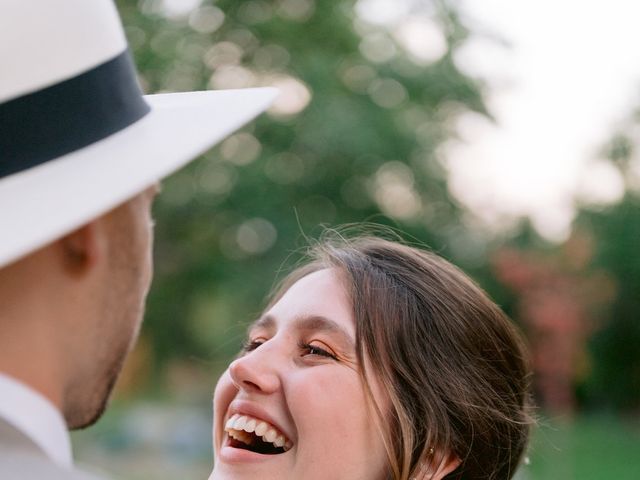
375 360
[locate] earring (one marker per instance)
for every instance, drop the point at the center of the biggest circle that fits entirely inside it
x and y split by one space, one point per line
431 451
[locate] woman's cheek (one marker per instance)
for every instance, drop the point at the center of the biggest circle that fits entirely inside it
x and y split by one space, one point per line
224 394
330 398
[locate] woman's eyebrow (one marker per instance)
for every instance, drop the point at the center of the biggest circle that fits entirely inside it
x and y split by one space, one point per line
319 323
307 323
265 322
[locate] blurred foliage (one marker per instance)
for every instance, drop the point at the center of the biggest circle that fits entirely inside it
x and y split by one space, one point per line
615 378
598 269
355 136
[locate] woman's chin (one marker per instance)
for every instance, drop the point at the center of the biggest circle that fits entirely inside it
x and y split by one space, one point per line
231 455
232 463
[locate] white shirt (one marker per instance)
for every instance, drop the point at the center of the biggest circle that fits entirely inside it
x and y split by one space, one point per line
36 417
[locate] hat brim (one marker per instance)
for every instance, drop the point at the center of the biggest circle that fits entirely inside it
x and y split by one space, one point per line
41 204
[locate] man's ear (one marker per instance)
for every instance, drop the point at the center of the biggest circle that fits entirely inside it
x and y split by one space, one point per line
83 248
439 465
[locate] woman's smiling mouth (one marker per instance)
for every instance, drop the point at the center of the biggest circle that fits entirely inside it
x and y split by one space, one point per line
249 433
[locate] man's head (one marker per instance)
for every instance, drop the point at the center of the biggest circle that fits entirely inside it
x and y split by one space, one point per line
80 300
118 276
78 143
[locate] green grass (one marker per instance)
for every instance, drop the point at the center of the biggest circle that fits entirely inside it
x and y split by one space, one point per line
586 448
163 441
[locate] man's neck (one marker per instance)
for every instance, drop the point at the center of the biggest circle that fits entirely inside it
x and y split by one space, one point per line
27 355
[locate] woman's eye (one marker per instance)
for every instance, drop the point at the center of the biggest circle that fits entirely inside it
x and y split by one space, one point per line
251 345
315 350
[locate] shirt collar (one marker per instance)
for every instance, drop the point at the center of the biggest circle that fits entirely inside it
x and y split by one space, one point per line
36 417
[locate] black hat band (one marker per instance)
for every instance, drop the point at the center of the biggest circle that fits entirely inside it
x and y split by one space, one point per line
69 115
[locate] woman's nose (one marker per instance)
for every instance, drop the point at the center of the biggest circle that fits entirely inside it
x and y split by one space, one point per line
256 371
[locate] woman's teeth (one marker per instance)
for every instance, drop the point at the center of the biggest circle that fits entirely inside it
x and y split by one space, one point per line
241 428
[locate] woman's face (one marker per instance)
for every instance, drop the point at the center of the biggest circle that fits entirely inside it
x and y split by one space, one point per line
297 389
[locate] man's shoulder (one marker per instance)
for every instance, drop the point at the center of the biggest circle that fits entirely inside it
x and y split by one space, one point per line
21 459
23 465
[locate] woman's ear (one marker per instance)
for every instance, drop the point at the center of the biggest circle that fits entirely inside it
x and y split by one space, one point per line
437 466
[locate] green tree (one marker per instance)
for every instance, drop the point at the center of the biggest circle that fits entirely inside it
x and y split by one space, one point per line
355 138
615 377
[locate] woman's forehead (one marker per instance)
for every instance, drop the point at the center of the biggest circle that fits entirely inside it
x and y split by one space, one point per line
320 298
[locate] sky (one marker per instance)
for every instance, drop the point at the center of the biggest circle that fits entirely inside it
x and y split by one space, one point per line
562 75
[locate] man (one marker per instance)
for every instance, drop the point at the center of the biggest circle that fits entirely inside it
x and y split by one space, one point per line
80 154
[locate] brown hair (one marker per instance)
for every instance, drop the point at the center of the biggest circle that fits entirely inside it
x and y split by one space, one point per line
453 365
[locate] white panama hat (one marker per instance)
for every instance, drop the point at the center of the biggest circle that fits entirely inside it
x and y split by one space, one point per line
77 138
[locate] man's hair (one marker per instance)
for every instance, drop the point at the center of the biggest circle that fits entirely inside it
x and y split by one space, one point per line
454 367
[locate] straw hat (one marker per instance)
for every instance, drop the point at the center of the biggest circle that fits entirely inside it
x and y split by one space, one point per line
77 137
